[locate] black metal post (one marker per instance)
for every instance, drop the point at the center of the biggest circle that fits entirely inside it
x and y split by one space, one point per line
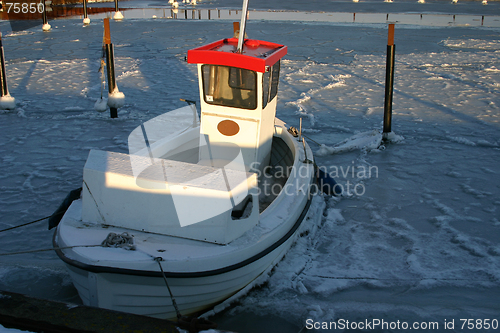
118 15
86 19
110 64
389 80
3 73
85 13
46 25
44 14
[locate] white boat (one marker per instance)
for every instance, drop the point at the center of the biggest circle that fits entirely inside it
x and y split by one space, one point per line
203 205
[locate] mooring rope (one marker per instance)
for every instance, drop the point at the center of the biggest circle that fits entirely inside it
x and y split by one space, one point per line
123 240
102 65
395 279
25 224
192 324
47 249
295 133
158 259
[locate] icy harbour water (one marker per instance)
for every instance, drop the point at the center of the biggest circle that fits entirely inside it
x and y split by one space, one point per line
417 242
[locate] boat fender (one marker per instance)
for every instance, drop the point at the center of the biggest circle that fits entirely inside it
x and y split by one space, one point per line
293 131
58 214
327 184
194 324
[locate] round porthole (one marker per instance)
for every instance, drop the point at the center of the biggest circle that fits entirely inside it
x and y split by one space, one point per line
228 127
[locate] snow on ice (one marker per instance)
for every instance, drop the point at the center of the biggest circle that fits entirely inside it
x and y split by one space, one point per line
10 330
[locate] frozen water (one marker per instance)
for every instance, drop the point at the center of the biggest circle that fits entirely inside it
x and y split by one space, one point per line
416 237
11 330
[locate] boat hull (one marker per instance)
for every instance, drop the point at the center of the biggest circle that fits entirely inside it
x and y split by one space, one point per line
199 274
148 295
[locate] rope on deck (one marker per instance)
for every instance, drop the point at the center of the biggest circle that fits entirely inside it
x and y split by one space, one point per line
123 240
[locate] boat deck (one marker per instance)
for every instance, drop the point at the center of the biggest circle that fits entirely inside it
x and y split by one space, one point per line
270 180
277 212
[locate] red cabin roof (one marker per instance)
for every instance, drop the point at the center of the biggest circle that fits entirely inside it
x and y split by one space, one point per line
256 54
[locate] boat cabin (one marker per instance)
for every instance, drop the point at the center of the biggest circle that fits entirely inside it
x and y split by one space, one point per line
238 98
199 181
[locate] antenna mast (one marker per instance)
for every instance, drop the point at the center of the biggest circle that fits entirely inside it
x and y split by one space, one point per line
243 24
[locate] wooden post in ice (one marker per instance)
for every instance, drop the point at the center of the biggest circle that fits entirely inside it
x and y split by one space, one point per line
236 29
46 25
118 15
116 99
86 19
7 102
389 81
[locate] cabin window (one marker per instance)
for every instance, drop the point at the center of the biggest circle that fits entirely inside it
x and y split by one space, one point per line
270 84
230 86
